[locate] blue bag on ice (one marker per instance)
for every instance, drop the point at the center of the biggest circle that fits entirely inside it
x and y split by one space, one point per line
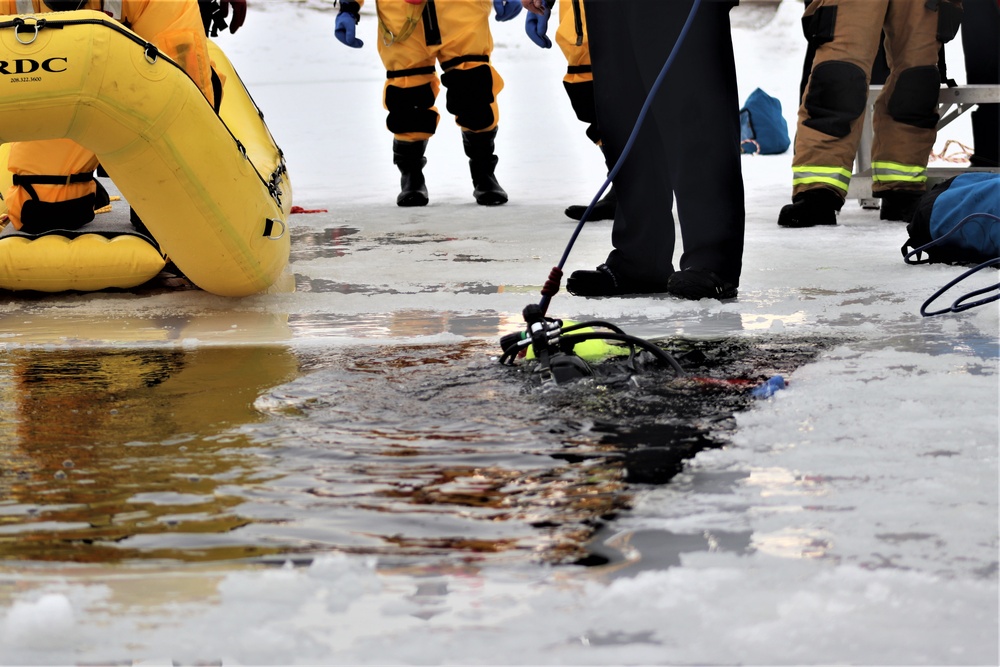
763 129
957 221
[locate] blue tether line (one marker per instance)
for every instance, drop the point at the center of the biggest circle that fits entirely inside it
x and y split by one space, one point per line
962 303
640 119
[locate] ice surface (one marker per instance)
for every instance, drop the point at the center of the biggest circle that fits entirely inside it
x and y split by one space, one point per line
867 489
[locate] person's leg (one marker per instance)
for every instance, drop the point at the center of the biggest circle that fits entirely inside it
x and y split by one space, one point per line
409 95
981 46
572 39
473 86
846 35
700 132
643 232
905 116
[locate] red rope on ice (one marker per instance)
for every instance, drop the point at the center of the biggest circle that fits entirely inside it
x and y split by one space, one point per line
299 209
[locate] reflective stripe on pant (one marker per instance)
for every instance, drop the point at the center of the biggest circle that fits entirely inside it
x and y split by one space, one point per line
831 116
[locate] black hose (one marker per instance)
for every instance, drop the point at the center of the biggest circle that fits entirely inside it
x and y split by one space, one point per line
660 354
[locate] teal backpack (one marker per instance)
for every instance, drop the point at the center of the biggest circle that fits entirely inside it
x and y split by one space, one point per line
763 130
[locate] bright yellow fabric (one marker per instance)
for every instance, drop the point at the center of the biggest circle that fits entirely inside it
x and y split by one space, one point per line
465 31
217 205
175 28
571 36
88 262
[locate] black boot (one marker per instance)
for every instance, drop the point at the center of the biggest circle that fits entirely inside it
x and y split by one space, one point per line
604 209
818 206
409 157
482 163
898 205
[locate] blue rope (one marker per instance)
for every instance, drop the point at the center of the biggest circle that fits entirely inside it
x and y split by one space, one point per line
960 303
640 119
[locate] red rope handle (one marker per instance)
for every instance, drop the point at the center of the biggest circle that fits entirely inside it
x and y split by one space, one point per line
551 286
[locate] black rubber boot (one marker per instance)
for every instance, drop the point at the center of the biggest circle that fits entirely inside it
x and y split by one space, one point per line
898 205
812 207
604 209
479 147
409 157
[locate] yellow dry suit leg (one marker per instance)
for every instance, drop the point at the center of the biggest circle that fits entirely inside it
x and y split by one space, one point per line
456 35
35 202
571 36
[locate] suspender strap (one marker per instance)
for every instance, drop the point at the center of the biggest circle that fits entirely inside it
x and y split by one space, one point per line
579 69
455 62
578 22
432 30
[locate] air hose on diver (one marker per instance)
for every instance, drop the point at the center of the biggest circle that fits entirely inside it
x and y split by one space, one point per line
553 343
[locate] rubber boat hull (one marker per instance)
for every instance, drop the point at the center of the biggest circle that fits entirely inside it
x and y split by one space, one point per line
211 188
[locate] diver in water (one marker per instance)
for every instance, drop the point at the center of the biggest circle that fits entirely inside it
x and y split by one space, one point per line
53 184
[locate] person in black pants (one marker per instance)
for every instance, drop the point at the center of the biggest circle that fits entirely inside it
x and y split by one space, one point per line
688 147
981 48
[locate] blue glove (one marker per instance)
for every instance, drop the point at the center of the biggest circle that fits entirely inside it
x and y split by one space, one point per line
767 389
536 25
346 22
507 9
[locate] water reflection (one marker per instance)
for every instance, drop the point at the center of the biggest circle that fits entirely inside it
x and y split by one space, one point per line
400 323
416 454
628 553
309 243
305 283
117 454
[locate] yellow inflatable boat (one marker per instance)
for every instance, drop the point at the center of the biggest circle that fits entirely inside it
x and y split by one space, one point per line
212 189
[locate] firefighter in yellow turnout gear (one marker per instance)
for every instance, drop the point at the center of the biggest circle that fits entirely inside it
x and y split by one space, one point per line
831 116
414 35
571 36
54 186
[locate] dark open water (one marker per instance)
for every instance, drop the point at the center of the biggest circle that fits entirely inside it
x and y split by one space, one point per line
410 453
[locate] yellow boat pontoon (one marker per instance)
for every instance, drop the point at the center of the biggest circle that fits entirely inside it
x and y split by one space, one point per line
212 189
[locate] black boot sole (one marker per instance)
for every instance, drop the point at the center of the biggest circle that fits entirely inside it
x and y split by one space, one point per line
408 199
490 198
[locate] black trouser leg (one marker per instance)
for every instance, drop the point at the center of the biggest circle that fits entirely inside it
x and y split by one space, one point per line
689 145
